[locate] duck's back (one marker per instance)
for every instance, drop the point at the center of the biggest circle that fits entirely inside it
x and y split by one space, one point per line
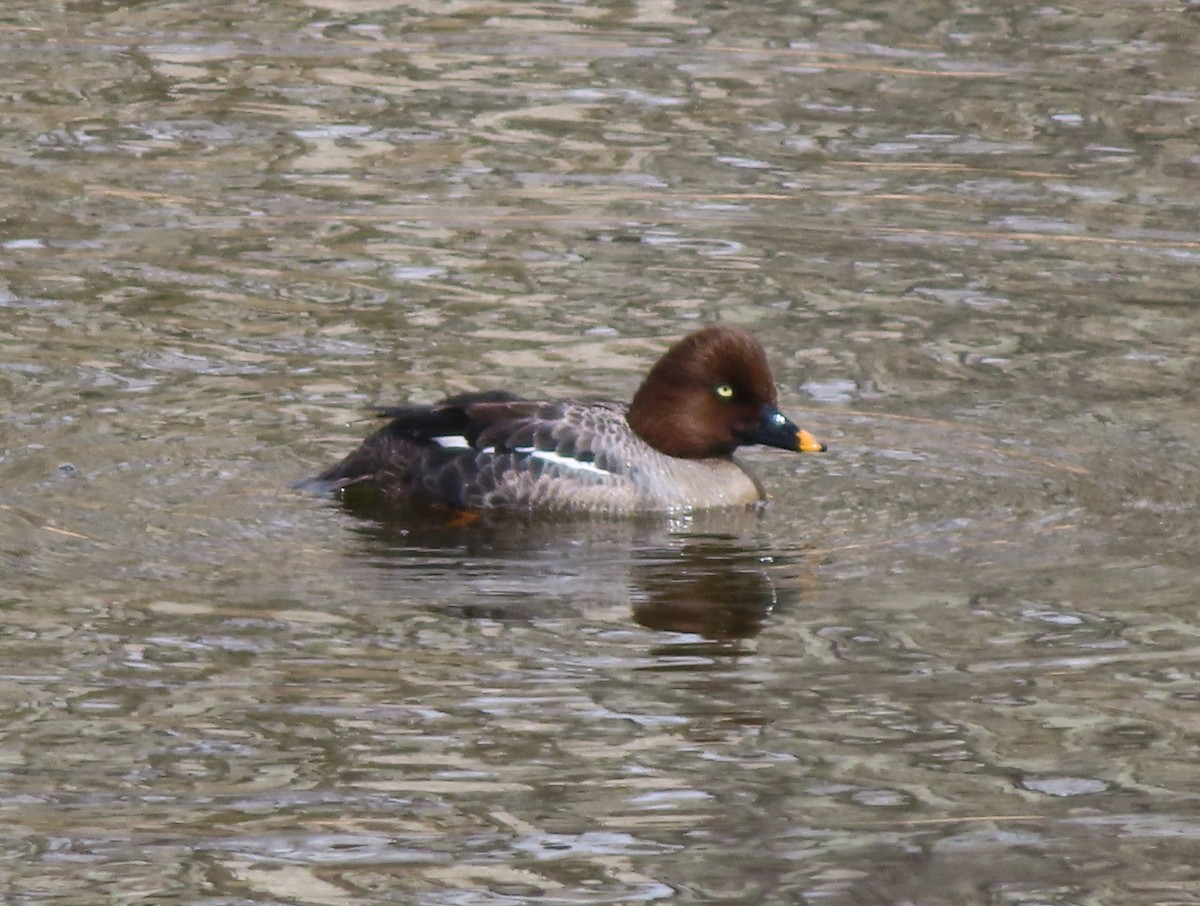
495 450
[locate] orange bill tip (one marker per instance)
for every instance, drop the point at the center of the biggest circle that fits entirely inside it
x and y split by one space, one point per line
806 443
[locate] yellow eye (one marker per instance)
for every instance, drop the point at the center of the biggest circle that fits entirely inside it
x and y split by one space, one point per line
724 391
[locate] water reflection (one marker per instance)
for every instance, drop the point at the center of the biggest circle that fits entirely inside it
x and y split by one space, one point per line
715 586
705 574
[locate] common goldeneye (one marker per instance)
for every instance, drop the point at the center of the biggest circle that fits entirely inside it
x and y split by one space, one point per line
671 449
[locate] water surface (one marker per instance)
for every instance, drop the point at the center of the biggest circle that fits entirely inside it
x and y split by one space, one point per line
953 662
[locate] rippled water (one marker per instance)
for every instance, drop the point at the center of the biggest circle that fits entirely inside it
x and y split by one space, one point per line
954 662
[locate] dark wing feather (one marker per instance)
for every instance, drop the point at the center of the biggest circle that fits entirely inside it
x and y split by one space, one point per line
404 458
513 425
446 418
395 455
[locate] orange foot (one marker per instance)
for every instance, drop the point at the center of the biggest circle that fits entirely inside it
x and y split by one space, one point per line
459 518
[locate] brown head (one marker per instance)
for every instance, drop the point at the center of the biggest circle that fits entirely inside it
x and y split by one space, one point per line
711 393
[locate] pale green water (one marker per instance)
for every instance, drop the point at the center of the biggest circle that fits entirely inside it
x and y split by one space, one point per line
955 661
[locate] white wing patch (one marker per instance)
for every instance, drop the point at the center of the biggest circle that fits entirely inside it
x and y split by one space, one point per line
566 461
458 442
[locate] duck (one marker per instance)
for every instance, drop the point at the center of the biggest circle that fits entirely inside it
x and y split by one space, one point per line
669 450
